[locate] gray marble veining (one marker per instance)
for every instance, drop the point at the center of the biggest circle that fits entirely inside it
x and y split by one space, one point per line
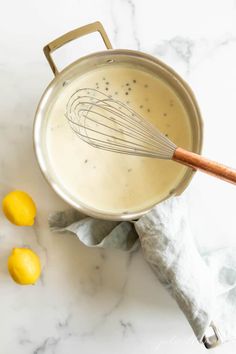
101 301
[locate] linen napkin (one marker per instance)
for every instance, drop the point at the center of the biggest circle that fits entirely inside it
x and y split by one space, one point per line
204 286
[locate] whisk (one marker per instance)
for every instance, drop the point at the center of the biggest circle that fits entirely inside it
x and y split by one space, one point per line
111 125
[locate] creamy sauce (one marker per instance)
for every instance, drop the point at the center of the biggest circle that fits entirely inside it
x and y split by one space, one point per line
105 180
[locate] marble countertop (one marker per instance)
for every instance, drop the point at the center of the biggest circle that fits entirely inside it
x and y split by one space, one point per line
89 300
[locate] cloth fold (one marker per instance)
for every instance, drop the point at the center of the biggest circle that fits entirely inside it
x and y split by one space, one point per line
94 232
204 286
169 248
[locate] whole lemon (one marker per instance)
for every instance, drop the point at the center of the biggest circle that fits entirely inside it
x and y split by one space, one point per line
24 266
19 208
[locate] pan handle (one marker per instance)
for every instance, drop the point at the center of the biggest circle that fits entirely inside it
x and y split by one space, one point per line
70 36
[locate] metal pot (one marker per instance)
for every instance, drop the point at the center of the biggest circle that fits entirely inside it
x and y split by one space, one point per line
84 64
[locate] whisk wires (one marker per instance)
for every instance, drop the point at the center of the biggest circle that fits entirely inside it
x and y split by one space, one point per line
111 125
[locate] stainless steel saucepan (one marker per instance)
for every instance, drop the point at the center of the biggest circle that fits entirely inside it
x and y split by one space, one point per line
81 66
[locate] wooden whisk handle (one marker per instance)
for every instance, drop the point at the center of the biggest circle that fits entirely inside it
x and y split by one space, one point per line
199 162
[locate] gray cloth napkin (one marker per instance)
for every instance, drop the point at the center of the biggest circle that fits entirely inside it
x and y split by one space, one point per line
204 286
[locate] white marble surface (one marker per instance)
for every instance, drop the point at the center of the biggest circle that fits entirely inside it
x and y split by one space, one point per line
90 300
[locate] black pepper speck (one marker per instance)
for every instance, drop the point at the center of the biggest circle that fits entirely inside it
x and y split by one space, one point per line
134 81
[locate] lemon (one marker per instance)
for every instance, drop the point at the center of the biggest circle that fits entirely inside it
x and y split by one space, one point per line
24 266
19 208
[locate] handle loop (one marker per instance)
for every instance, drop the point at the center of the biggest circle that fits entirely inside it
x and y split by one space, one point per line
70 36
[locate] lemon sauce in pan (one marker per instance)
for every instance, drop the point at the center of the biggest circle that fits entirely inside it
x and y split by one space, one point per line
105 180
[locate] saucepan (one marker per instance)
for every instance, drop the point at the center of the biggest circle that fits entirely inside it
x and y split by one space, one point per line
84 64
